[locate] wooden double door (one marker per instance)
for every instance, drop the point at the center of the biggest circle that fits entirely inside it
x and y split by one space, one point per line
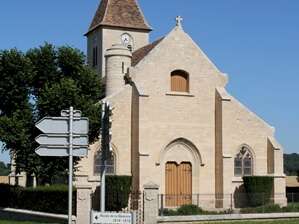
178 181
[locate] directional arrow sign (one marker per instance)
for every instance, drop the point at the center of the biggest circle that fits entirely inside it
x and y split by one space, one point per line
61 140
60 125
60 151
110 217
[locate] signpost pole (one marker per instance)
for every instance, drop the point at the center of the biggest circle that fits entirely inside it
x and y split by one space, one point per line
103 169
71 117
103 188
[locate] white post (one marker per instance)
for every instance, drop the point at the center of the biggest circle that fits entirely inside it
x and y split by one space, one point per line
71 116
103 173
103 189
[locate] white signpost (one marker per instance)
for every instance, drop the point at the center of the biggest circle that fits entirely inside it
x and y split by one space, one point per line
111 218
60 125
64 136
50 139
108 217
60 151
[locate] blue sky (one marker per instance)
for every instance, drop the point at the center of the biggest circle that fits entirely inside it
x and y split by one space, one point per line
255 42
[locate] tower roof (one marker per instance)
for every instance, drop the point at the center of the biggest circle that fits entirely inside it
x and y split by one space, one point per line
119 13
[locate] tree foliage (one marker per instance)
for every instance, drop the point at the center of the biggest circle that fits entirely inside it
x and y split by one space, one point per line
4 169
291 164
117 192
38 83
258 189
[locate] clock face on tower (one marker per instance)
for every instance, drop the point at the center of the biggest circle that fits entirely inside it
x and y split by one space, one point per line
125 39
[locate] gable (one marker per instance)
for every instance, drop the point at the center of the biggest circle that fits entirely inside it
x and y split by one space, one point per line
154 63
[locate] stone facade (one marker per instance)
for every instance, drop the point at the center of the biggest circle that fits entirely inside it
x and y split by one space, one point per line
104 38
152 125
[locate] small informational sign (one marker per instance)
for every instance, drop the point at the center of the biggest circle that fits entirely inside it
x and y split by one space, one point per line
111 218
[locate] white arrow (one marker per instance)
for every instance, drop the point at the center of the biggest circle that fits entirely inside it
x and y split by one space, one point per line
60 125
60 151
52 139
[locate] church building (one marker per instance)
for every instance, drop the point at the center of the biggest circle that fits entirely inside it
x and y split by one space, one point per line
174 123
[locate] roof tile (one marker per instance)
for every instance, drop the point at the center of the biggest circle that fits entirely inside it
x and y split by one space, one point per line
139 54
119 13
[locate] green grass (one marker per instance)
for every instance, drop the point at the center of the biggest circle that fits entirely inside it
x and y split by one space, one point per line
291 221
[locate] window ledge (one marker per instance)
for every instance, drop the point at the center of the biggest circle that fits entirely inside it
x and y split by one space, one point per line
238 179
179 94
94 179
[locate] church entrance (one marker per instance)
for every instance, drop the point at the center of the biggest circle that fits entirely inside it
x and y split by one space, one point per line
178 181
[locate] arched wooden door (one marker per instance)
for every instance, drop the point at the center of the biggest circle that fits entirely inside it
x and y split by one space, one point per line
178 181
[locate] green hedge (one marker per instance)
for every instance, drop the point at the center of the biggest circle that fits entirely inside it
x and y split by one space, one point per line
52 199
262 209
258 189
272 208
117 192
188 210
292 207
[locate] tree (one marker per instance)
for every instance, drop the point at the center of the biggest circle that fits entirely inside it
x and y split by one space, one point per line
4 169
16 119
291 164
39 83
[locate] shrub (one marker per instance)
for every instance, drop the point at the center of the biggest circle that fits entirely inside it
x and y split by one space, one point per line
52 199
168 212
258 189
292 207
262 209
117 192
189 210
9 195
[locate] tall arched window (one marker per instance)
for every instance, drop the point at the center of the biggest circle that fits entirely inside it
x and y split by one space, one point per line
179 81
98 164
244 162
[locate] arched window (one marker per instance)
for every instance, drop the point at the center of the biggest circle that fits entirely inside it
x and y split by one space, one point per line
98 164
244 162
179 81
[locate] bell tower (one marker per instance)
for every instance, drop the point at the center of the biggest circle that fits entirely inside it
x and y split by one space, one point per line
115 22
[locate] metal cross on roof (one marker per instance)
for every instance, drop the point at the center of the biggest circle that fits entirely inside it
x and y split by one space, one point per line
179 20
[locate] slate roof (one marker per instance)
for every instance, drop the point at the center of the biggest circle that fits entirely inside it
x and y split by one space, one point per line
139 54
119 13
